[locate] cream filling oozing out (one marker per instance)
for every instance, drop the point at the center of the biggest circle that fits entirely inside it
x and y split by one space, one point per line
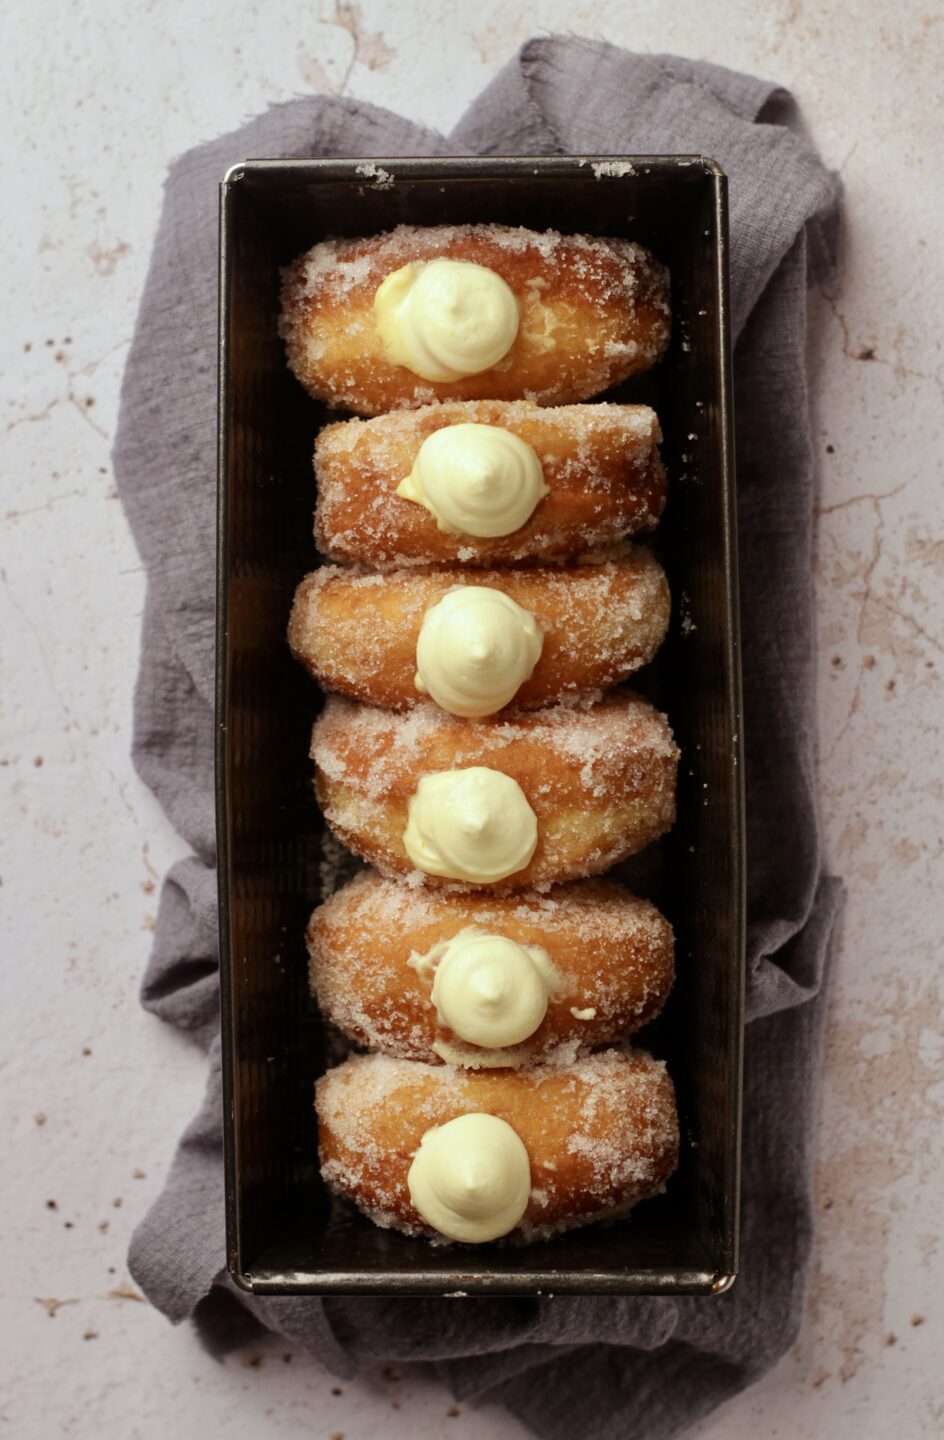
487 989
473 824
471 1178
444 318
475 649
479 480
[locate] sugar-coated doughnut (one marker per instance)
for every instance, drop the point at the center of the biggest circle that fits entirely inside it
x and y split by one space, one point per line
600 463
598 780
601 1134
357 631
592 312
610 953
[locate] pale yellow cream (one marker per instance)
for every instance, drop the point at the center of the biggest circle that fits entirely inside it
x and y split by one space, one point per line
475 648
491 991
471 1178
443 319
479 480
473 824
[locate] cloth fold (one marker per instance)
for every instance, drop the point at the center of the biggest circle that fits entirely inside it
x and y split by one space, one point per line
594 1367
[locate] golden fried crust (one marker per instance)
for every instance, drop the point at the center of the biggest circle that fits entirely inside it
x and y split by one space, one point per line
601 465
357 632
612 951
600 779
592 313
601 1134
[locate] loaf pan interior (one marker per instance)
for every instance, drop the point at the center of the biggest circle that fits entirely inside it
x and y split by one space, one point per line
285 1234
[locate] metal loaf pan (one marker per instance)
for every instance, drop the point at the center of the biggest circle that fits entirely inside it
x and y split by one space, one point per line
285 1234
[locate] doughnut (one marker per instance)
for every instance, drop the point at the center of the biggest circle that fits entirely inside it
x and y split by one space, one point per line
498 312
529 800
550 1148
357 632
375 945
600 465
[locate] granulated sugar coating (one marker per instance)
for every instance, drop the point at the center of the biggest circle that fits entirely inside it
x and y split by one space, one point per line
599 777
357 631
600 462
596 765
610 953
601 1133
592 312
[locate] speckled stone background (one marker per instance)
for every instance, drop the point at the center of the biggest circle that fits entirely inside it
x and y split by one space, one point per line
98 100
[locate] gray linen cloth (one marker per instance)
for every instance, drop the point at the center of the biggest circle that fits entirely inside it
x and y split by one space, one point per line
593 1368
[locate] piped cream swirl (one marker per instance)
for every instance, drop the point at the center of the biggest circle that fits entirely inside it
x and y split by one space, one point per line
475 649
471 1178
474 824
444 318
490 990
474 479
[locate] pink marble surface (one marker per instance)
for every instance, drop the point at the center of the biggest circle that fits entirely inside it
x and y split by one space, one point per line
95 1092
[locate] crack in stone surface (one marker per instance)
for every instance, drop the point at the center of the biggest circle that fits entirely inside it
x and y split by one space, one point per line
869 354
